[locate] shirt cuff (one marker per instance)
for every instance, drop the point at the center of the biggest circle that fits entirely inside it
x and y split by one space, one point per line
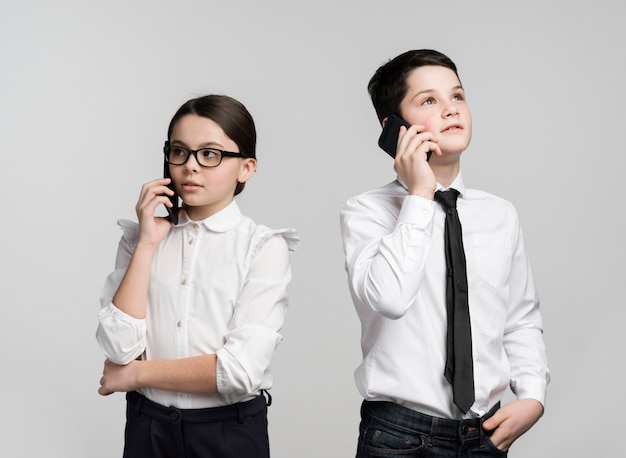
220 376
417 212
532 389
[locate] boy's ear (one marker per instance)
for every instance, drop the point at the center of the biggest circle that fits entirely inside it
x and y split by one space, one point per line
384 121
248 167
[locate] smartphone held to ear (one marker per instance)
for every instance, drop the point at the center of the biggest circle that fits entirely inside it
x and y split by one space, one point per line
388 139
172 213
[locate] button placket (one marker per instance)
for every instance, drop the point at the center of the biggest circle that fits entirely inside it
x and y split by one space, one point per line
189 245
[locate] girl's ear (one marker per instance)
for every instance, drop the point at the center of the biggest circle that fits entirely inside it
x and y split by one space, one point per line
248 167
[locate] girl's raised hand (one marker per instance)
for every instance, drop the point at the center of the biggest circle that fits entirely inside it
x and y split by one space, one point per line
153 229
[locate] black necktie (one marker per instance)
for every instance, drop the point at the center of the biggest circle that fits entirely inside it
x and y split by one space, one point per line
459 368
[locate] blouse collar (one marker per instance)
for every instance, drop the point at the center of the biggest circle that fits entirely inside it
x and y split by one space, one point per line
222 221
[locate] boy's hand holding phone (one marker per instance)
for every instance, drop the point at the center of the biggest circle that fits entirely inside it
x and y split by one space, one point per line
408 146
389 137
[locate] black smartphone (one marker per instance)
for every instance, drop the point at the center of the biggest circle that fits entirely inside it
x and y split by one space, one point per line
388 139
172 213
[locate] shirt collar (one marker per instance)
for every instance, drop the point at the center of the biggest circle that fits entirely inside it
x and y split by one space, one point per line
222 221
457 184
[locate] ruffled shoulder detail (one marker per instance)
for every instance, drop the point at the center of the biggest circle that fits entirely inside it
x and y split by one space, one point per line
291 237
130 232
264 233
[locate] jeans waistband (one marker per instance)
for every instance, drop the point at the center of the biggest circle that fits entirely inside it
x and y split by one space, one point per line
140 404
418 422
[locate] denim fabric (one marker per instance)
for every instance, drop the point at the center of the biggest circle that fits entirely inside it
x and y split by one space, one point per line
390 430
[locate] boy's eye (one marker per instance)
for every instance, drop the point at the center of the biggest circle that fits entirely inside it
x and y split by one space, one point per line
428 101
177 151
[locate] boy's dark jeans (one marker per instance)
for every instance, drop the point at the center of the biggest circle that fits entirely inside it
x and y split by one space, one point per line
390 430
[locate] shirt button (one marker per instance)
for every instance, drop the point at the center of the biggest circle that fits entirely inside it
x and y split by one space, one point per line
184 281
179 324
191 242
195 226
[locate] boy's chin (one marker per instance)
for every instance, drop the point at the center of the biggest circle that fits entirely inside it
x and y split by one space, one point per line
451 154
454 148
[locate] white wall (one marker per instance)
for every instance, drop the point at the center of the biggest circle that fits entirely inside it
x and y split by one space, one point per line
87 90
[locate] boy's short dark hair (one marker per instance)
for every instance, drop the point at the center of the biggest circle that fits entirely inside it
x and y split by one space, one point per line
388 86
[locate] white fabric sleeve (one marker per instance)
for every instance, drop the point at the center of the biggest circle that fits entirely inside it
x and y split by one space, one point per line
243 362
121 337
523 338
386 254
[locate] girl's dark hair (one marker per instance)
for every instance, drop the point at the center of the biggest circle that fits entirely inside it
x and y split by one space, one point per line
388 86
230 115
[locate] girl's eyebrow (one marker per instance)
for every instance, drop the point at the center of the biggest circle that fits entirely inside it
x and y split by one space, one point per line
209 144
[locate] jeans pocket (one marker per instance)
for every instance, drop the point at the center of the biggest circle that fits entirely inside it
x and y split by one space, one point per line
490 445
382 439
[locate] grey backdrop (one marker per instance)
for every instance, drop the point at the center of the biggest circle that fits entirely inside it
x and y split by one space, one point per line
87 90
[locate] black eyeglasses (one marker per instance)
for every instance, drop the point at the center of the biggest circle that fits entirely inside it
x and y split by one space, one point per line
206 157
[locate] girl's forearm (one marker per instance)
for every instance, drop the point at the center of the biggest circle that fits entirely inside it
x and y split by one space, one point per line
194 375
132 295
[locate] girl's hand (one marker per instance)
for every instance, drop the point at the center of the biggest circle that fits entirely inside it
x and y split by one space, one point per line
153 229
411 164
116 378
512 420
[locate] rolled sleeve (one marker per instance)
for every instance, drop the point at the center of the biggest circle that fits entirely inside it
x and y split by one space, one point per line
121 337
243 362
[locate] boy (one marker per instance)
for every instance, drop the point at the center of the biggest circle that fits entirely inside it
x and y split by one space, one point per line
395 247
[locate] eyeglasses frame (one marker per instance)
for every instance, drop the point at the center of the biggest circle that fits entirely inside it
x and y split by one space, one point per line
194 153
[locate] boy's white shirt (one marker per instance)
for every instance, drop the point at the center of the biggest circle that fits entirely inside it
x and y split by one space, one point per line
396 270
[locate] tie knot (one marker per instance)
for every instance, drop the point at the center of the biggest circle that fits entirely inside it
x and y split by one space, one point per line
447 198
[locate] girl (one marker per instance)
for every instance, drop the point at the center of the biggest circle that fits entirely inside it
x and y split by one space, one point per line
192 312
